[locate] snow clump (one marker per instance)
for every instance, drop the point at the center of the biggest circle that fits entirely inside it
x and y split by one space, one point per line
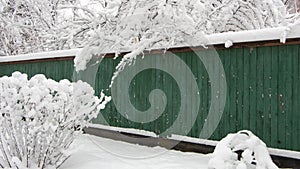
254 153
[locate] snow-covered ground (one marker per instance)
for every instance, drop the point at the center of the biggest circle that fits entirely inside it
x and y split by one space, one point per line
96 153
272 151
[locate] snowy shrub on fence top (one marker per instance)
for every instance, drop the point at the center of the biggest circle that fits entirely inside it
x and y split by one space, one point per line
40 118
254 153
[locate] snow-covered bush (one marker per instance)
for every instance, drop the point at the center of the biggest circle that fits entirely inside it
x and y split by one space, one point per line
254 153
40 117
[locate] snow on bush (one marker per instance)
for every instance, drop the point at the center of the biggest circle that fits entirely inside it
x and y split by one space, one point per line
254 153
40 118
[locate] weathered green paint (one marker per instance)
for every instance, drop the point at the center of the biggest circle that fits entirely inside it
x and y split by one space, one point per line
295 98
274 96
282 82
263 92
56 70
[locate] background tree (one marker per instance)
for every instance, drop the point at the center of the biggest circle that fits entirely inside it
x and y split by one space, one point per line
29 26
26 25
23 23
292 5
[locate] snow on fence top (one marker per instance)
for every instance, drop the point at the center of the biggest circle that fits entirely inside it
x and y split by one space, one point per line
227 38
41 55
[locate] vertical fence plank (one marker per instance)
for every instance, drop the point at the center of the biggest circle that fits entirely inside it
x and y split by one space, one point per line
194 68
297 111
259 92
223 122
281 125
295 97
200 74
240 85
246 89
252 87
227 111
274 96
288 98
232 91
267 95
204 92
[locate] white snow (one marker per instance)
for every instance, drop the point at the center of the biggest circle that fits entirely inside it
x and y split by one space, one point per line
194 140
272 151
127 130
99 153
142 25
40 118
285 153
152 134
254 151
279 33
41 55
96 152
228 44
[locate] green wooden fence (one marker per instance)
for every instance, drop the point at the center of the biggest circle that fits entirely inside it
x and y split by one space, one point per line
263 92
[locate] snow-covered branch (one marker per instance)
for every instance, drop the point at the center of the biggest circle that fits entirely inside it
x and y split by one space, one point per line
65 24
133 25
